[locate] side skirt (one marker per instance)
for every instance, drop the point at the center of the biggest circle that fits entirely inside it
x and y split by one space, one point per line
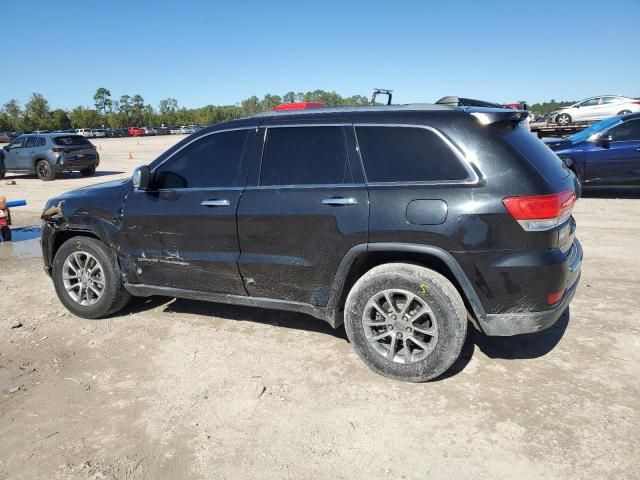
140 290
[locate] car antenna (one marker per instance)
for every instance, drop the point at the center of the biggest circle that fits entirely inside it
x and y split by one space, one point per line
381 91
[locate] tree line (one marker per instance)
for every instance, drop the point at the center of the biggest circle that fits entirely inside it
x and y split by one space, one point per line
127 110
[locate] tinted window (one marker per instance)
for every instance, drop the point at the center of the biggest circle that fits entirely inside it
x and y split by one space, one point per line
31 142
304 156
590 103
532 149
69 140
407 154
211 161
40 142
626 132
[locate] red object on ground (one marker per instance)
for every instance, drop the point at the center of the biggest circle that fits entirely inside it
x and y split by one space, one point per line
298 106
136 132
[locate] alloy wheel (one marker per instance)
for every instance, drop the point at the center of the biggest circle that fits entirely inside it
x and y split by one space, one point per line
83 278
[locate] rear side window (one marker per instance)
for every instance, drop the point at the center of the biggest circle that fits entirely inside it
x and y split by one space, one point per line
305 156
210 161
408 154
40 142
626 132
71 140
31 142
536 153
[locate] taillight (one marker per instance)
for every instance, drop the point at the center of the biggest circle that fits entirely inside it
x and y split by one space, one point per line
57 149
541 212
555 297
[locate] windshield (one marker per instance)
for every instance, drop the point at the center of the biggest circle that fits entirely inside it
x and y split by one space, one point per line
597 127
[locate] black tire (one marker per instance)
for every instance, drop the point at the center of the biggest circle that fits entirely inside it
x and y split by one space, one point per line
44 171
88 172
3 170
6 234
425 286
563 119
114 296
624 112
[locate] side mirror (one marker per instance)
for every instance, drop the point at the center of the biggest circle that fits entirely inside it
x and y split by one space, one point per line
141 176
6 148
604 141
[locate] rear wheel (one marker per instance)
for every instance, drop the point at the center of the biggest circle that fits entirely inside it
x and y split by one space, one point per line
44 171
563 119
87 278
88 172
406 322
624 112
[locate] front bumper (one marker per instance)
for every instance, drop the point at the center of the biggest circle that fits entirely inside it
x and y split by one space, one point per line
516 323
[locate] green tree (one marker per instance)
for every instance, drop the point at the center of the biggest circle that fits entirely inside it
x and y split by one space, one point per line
85 118
14 114
36 112
251 105
102 100
270 101
289 97
59 120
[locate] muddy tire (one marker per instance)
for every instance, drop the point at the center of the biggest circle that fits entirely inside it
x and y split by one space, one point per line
406 322
5 233
87 278
88 172
44 171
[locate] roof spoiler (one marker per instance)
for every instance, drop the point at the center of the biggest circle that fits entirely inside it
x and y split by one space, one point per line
492 117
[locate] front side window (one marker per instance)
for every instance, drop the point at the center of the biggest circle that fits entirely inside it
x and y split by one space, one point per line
305 156
626 132
407 154
591 102
210 161
17 143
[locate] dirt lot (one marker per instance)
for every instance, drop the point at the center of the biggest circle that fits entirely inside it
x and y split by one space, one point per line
183 389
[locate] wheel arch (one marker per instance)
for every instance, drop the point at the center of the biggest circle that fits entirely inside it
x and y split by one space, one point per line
362 258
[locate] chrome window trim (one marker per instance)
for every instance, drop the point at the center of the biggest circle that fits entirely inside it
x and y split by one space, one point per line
306 186
472 179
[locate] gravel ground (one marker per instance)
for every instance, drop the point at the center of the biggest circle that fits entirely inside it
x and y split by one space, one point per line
184 389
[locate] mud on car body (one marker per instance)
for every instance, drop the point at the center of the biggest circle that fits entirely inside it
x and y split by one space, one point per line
403 223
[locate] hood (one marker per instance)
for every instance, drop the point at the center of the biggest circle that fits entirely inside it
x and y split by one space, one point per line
557 143
98 188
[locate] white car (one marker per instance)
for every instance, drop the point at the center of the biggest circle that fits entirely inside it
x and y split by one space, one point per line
99 132
175 131
85 132
595 108
150 131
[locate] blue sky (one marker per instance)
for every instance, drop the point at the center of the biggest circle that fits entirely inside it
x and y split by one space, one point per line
209 52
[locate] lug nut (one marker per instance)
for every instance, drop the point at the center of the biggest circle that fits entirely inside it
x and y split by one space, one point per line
399 335
393 317
390 327
408 330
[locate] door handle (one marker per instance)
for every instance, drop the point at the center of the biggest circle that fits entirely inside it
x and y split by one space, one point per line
337 201
215 203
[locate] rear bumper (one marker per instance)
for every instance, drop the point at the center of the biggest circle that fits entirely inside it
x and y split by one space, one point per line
516 323
71 165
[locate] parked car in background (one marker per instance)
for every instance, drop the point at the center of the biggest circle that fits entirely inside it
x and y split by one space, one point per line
606 153
398 221
48 154
187 129
85 132
99 133
595 108
136 132
175 130
6 137
162 130
149 131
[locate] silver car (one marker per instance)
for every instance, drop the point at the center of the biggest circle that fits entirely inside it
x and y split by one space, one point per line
595 108
49 154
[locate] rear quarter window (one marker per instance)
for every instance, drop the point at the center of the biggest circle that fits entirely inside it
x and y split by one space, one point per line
408 154
536 153
71 140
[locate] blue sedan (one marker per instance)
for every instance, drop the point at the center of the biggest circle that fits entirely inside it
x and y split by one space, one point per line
605 153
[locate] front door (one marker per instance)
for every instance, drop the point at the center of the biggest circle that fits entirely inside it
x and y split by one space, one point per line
306 210
182 232
13 152
618 162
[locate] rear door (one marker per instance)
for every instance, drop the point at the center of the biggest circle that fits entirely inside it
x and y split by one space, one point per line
182 232
619 162
307 207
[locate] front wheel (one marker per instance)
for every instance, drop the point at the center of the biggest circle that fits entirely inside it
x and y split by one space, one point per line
87 278
406 322
563 119
44 171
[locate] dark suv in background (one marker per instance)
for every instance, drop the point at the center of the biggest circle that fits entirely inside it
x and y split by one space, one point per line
402 222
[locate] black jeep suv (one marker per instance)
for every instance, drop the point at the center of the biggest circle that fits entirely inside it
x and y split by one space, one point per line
405 223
